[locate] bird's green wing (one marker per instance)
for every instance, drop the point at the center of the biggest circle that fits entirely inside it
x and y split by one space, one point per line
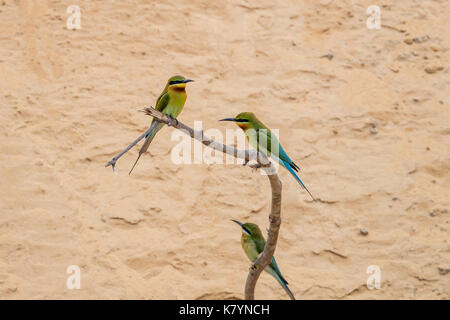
250 249
260 243
264 140
265 134
162 102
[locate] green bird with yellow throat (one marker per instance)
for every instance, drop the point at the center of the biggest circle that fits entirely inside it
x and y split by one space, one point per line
253 244
261 138
170 102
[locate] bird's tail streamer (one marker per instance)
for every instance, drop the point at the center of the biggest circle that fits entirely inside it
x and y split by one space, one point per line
155 127
287 166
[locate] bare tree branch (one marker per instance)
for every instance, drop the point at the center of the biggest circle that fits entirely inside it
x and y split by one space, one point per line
262 162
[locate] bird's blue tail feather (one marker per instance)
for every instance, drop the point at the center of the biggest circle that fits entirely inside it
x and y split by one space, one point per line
287 166
277 275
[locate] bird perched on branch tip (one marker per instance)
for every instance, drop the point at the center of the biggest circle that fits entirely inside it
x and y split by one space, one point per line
170 102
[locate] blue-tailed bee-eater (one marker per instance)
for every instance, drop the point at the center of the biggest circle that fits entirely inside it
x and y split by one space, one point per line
253 243
170 102
260 138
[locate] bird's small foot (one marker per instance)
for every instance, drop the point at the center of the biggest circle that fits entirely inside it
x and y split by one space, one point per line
172 121
253 267
255 166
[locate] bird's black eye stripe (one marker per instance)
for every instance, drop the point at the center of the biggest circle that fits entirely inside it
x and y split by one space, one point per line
241 120
246 230
175 82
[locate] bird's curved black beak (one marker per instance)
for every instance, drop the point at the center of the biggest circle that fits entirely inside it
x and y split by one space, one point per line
238 222
228 119
187 80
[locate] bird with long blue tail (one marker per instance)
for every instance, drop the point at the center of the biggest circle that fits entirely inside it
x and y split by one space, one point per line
253 244
260 137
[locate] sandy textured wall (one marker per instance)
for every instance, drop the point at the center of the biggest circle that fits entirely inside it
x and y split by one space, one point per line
369 128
